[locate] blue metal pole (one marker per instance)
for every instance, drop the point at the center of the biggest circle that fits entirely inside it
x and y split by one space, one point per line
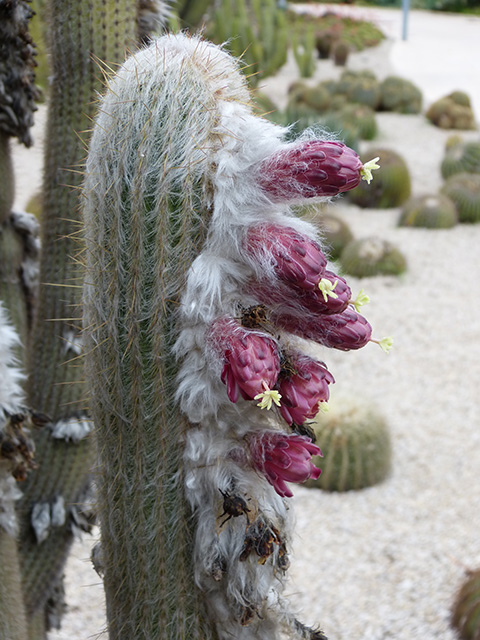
405 7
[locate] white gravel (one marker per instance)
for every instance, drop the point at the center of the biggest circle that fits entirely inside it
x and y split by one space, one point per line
383 562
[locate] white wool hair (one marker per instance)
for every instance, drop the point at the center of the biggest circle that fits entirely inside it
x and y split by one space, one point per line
11 393
213 449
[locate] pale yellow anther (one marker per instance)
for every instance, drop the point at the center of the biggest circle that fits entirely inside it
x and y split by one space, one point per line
368 167
361 300
327 288
268 398
324 407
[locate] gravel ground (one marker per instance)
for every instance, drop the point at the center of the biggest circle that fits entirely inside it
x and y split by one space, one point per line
383 562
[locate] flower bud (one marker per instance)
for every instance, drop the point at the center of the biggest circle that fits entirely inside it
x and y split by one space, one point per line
344 331
303 389
310 169
283 458
296 258
251 360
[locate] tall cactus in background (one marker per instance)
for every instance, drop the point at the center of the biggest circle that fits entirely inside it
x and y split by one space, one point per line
79 33
190 242
255 30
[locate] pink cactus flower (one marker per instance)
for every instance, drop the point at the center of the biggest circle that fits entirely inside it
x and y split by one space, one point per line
331 295
345 331
252 362
304 389
310 169
296 258
283 458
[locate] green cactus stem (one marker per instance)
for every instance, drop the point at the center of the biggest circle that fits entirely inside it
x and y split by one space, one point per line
146 214
400 95
101 29
12 626
434 211
372 256
452 112
461 157
356 446
466 609
336 233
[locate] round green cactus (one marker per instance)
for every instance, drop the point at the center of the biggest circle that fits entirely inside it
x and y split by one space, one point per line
452 112
434 211
360 86
336 233
391 186
356 446
400 95
464 190
466 610
341 51
461 157
361 117
372 256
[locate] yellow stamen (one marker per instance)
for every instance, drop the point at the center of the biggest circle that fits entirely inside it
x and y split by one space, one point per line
360 300
268 398
368 167
327 288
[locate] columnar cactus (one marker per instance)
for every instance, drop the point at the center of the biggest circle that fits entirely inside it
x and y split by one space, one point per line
190 237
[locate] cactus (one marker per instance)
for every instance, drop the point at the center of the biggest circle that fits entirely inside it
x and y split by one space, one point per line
187 212
359 117
360 86
256 31
303 51
461 157
372 257
464 190
452 112
392 186
400 95
336 233
356 446
341 51
466 609
434 211
324 41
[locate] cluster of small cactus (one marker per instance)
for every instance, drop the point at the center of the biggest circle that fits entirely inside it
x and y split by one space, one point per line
460 157
196 265
431 211
452 112
464 190
372 256
356 446
255 31
466 609
393 186
361 87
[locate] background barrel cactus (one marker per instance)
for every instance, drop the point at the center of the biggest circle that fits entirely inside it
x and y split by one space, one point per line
372 256
356 446
400 95
461 157
392 185
452 112
433 211
335 231
464 190
466 610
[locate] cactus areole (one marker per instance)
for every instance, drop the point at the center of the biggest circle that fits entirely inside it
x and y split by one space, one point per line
193 252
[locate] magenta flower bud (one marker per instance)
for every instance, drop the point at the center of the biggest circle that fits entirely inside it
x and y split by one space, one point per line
331 295
309 170
296 258
345 331
251 360
283 458
304 389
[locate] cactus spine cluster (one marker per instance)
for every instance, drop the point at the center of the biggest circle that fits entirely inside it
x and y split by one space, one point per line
190 239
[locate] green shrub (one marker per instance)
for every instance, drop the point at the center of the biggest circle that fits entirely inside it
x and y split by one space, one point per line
464 190
466 610
391 186
400 95
372 256
356 446
429 211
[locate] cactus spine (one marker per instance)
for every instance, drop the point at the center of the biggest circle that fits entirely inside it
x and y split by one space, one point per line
102 28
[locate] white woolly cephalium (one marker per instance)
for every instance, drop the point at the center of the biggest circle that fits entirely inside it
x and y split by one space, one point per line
11 393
